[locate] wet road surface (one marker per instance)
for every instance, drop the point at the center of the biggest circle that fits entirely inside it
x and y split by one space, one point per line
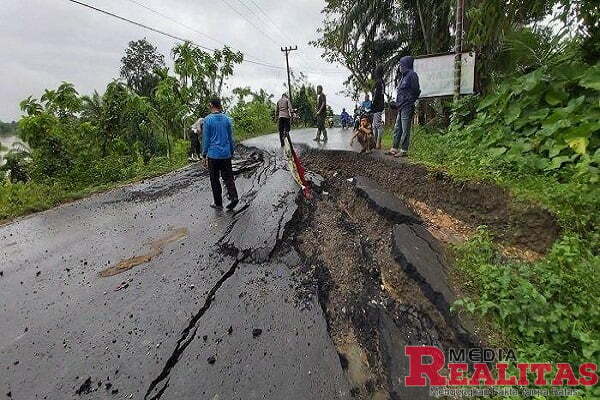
146 292
338 139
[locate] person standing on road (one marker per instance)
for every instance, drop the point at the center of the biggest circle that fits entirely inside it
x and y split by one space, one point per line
284 112
321 114
218 146
196 140
408 93
378 105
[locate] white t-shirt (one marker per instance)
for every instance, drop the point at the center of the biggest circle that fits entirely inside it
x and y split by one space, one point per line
197 126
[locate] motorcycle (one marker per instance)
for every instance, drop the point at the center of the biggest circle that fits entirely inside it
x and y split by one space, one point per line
346 122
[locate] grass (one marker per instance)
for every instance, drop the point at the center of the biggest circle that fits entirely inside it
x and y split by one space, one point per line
20 199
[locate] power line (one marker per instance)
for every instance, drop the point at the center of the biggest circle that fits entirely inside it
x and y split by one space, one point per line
250 21
172 36
283 34
268 19
165 33
175 21
187 26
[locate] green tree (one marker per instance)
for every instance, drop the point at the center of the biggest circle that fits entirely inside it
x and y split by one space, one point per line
8 128
16 165
31 106
139 66
169 111
305 108
255 115
64 101
361 34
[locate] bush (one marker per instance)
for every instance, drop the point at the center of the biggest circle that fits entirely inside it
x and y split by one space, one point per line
550 308
253 118
546 121
23 198
537 135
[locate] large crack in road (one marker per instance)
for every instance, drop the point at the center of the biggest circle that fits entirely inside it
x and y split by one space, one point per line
188 334
228 244
381 281
285 298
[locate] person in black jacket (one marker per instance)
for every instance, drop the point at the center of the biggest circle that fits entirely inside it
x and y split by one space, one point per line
408 93
378 105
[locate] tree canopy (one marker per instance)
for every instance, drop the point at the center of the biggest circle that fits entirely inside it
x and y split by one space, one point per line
140 64
361 34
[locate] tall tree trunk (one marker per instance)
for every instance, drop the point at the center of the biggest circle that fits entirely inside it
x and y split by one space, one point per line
425 38
168 144
220 85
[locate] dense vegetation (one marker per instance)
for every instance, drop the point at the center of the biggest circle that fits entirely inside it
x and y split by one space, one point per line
548 309
546 121
138 127
537 133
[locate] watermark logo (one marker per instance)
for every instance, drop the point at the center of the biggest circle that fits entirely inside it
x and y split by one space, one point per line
489 370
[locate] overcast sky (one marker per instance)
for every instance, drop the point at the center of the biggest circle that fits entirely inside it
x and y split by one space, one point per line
45 42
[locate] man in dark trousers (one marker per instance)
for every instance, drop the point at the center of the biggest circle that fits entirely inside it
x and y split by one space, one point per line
217 149
284 113
321 114
406 96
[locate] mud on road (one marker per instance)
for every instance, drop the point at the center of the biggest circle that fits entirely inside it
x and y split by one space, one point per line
357 241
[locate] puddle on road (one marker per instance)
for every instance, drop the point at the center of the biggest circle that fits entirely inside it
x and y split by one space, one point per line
156 248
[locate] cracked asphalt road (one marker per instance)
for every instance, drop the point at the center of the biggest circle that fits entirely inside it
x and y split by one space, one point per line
212 315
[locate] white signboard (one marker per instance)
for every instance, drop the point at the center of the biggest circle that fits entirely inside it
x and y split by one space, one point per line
436 75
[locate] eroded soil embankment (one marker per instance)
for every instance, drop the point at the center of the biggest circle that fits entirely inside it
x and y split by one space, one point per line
373 308
465 203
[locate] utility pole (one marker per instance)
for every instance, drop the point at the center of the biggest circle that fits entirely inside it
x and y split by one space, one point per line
458 27
287 50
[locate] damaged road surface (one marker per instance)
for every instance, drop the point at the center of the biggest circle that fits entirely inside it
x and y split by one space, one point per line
145 292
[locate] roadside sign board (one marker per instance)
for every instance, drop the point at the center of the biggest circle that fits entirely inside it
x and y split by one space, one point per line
436 74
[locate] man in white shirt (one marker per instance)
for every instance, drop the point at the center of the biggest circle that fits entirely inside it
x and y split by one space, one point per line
284 113
196 140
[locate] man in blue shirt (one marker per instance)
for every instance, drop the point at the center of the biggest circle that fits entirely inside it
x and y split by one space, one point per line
217 149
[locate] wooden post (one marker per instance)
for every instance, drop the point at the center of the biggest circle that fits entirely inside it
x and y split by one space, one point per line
287 63
458 48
